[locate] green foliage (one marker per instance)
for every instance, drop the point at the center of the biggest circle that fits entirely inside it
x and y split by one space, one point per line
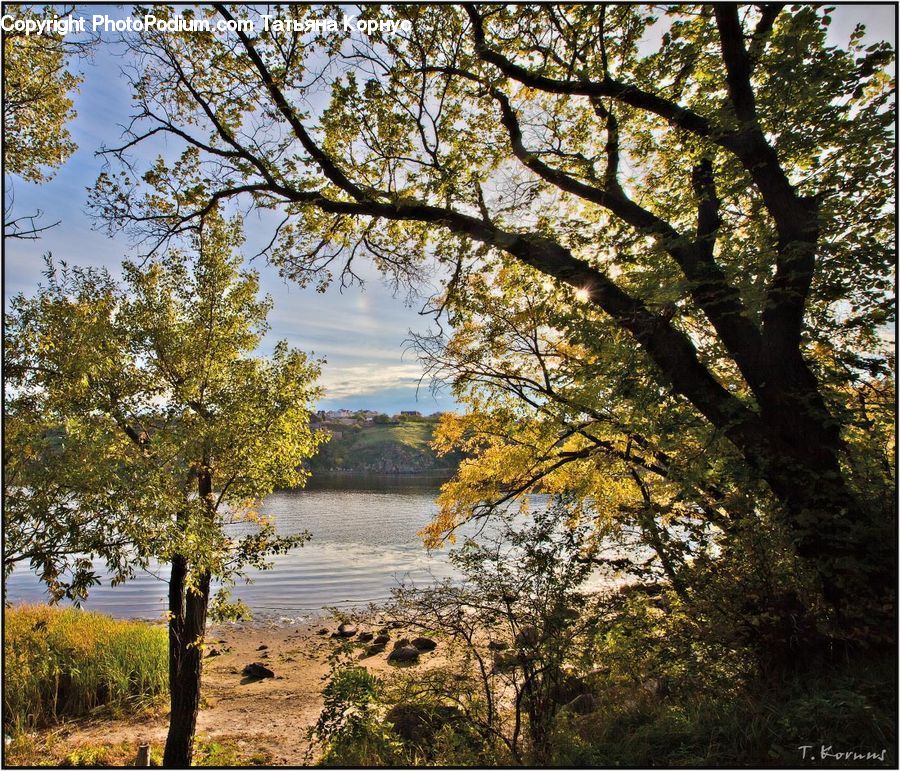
845 708
224 752
349 731
667 235
522 587
382 446
125 396
36 102
61 664
32 750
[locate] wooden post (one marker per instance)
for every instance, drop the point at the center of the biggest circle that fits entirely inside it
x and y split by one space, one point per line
143 756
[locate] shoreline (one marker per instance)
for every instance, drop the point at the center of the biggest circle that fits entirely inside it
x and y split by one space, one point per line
260 719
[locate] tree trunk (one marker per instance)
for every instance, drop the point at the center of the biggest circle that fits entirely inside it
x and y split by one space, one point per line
839 535
187 624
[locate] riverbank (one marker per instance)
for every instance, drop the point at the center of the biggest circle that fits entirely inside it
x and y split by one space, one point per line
242 721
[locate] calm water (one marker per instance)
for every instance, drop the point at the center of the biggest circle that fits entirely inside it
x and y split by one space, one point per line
364 542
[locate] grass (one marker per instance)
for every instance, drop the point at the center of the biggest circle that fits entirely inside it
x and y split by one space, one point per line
375 447
63 662
416 435
30 751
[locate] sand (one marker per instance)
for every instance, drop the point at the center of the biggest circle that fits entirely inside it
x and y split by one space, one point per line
268 717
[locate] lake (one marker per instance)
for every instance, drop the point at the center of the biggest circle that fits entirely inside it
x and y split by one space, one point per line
363 543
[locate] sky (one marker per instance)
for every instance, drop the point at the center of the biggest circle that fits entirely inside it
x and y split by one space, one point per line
361 332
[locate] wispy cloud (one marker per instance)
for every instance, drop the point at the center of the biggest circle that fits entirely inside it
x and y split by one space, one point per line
343 382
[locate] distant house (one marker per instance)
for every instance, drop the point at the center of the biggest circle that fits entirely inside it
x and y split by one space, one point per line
339 414
411 413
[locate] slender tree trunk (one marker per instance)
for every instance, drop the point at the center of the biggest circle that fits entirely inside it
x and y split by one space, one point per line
187 624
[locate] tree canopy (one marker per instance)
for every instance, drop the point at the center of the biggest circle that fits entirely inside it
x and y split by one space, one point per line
709 188
38 82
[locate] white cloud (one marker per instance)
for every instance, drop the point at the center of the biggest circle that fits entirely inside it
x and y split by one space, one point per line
345 382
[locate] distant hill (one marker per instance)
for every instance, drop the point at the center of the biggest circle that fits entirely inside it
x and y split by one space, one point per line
396 447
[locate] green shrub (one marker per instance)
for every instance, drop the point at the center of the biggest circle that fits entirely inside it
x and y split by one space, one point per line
65 662
349 728
849 708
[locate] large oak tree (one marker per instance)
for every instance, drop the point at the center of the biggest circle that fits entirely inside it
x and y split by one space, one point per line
715 181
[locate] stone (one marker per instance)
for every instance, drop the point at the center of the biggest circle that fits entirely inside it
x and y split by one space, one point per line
419 723
213 652
347 630
503 662
382 639
528 636
408 654
374 650
497 645
257 671
402 643
365 636
424 643
322 631
582 704
263 648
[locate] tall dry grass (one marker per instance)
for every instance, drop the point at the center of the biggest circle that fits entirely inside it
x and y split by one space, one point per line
65 662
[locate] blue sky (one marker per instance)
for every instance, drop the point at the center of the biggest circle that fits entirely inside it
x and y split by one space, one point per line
360 332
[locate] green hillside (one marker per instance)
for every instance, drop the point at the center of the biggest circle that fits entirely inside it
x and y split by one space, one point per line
401 447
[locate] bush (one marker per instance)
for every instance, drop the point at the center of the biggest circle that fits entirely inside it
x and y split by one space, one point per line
848 708
350 731
62 663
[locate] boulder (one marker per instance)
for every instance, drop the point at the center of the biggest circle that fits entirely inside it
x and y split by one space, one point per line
528 636
374 650
424 644
419 723
402 643
347 630
570 686
408 654
503 662
365 636
263 648
582 704
257 671
382 639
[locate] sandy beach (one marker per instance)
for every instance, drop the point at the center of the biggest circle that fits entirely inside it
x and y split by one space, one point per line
261 721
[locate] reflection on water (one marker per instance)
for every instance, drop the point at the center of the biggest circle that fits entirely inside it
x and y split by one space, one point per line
363 543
